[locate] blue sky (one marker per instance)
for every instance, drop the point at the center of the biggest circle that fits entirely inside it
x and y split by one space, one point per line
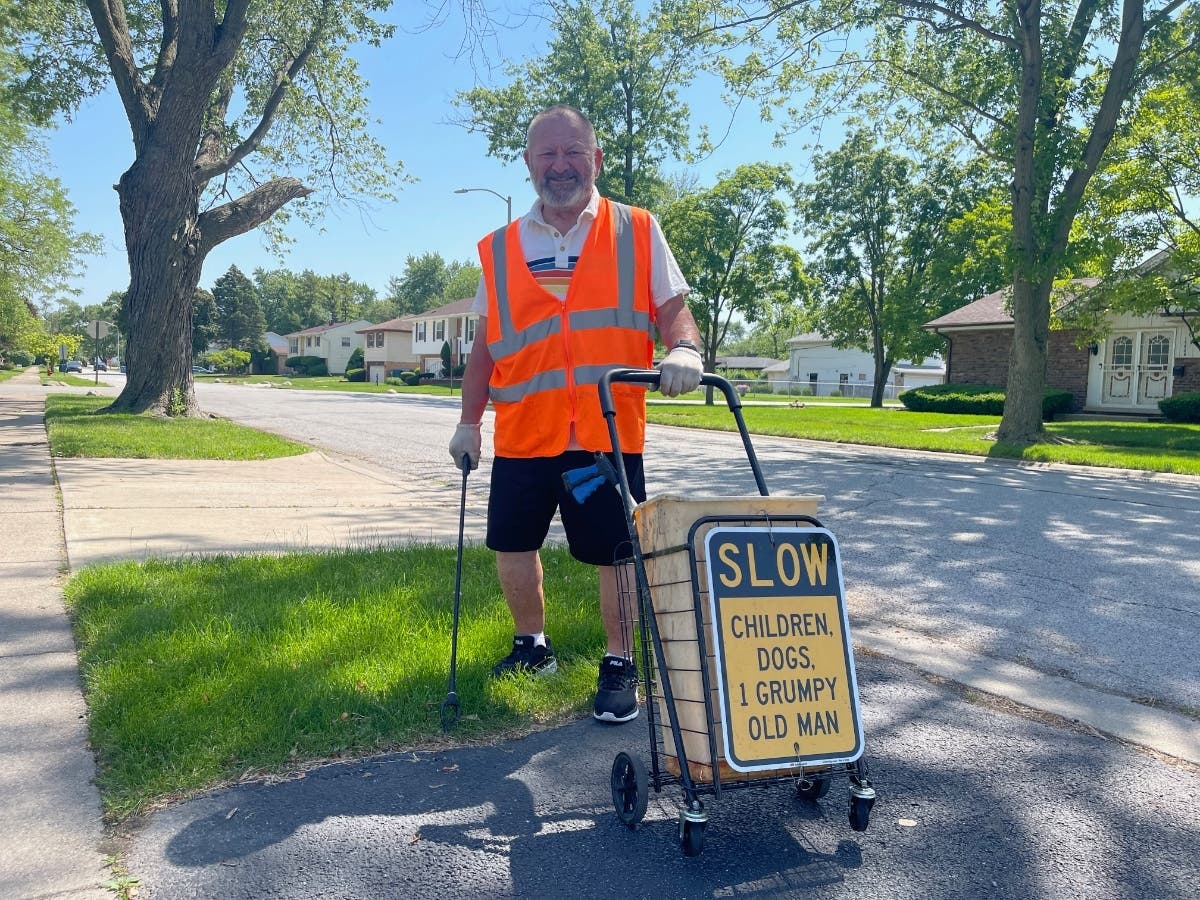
413 78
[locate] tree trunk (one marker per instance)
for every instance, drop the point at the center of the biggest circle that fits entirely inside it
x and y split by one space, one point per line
1022 420
160 210
877 389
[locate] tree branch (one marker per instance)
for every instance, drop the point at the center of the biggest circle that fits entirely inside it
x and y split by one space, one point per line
284 76
113 31
248 211
1104 125
965 21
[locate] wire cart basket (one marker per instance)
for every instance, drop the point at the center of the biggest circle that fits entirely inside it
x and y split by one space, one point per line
742 645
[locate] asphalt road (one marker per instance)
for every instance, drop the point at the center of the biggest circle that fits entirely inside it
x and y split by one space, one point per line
1089 574
977 798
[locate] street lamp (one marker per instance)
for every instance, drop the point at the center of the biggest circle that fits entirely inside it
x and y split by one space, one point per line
507 200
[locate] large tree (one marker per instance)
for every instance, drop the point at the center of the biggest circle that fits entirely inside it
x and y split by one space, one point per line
1042 85
1149 206
39 246
881 243
240 323
426 282
729 242
624 65
236 110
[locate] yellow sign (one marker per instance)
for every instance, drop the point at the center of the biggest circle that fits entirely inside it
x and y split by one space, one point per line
782 642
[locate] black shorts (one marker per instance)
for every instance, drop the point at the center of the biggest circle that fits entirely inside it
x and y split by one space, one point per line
526 492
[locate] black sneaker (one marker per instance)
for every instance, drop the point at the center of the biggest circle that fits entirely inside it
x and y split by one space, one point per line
526 657
616 695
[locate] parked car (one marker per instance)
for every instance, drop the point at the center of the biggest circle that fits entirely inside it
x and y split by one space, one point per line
71 365
100 365
200 370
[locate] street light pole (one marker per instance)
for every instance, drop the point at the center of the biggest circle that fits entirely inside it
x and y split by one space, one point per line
507 199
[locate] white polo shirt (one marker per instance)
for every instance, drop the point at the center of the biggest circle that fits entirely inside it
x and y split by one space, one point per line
551 256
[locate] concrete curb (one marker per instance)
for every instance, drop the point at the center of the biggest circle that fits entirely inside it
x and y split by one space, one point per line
1160 730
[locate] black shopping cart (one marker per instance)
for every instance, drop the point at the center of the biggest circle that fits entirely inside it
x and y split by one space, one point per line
742 645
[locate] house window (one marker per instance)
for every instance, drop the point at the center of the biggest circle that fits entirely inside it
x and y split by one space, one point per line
1122 352
345 342
293 347
439 330
308 342
844 378
862 376
1158 351
370 339
420 333
317 340
469 331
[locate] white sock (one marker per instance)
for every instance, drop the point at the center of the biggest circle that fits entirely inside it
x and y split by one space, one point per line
539 639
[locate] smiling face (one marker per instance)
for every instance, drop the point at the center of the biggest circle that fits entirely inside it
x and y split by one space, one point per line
563 160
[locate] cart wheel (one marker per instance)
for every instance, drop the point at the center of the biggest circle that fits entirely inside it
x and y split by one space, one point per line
691 837
630 788
860 812
813 788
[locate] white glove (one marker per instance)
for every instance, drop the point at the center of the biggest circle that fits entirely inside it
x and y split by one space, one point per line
467 441
680 372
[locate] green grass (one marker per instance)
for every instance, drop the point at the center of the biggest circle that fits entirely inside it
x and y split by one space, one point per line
75 429
198 672
6 374
331 383
1151 446
70 380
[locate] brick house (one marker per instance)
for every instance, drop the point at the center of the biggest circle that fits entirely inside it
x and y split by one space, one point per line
389 348
1143 359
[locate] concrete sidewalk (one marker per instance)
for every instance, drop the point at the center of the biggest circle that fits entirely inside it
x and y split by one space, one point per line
51 841
133 509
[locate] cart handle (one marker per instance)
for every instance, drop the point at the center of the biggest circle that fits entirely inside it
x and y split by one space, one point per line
651 377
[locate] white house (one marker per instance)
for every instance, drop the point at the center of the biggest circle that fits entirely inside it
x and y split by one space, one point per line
389 348
333 343
815 366
453 322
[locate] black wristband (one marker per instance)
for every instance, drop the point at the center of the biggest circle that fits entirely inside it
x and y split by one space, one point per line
690 345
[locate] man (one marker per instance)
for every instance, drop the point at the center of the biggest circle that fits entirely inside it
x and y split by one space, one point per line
572 288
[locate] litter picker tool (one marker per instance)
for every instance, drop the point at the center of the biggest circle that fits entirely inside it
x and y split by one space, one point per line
450 706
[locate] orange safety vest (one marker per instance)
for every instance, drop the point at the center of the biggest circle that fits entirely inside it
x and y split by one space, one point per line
549 354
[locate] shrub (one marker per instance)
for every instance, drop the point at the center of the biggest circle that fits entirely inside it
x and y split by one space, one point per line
1055 401
1181 407
356 360
977 400
836 392
22 359
356 374
393 380
307 365
231 361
